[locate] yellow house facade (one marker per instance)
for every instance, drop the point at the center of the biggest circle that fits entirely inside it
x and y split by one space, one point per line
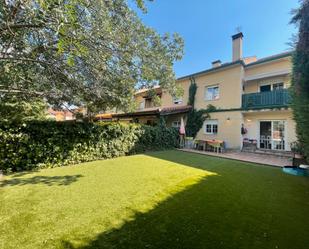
251 98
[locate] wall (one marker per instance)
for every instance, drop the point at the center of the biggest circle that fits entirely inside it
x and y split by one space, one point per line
230 88
251 121
228 130
167 99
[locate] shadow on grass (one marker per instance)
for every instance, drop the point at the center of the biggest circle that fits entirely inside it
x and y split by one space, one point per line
239 208
46 180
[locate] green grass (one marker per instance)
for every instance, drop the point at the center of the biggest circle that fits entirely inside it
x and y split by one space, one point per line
160 200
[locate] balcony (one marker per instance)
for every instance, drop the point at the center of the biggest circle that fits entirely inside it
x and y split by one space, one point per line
271 99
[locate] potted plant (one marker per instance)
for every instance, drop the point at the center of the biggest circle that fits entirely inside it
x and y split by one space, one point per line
298 153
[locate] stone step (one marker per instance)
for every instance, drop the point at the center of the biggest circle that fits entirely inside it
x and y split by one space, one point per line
286 154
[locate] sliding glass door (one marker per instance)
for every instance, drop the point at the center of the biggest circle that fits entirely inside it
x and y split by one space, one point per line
272 135
278 135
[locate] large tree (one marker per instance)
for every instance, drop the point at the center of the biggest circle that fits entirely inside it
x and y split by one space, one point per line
300 78
82 52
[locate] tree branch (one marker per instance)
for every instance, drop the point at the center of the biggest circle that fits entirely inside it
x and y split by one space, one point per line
20 26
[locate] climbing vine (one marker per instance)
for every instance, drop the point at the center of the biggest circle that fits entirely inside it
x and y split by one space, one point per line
195 118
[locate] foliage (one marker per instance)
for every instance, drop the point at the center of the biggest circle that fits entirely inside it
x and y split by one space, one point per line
195 118
49 143
82 52
300 77
13 109
192 92
297 147
159 200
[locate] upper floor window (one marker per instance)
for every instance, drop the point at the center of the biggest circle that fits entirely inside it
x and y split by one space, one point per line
177 101
278 86
212 92
148 103
141 105
271 87
211 126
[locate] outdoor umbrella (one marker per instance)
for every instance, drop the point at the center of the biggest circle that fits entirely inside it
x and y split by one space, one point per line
182 132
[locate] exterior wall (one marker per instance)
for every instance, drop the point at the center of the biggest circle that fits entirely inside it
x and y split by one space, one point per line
167 99
150 119
251 122
230 88
229 129
229 81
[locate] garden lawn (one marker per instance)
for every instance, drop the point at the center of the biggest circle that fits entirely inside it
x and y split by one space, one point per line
167 199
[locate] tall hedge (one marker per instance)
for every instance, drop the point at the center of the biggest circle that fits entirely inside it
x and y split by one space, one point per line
40 144
300 77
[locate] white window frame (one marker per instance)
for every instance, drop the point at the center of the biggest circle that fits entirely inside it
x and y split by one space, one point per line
286 138
176 124
207 97
211 123
141 105
177 101
271 85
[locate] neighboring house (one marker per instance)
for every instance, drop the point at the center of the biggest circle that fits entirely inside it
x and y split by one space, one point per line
250 95
65 114
60 115
148 113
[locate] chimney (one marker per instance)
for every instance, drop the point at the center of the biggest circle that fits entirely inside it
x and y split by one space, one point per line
237 46
216 63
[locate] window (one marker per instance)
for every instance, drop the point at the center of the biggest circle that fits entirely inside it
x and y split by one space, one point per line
278 86
176 124
212 93
148 103
177 101
211 126
141 105
271 87
265 88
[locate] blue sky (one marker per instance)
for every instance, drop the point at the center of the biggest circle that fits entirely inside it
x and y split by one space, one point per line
206 27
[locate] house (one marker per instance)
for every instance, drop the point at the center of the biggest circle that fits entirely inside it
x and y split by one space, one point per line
148 112
65 114
250 95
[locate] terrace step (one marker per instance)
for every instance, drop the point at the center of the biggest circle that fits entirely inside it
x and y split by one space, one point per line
286 154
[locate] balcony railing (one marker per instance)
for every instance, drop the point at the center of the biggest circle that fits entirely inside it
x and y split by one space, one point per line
271 99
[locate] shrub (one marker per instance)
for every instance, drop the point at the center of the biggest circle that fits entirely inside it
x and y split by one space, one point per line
300 77
38 144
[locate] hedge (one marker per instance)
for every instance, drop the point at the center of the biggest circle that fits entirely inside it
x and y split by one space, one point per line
39 144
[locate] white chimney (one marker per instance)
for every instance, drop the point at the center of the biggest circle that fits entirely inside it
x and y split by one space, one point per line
237 46
216 63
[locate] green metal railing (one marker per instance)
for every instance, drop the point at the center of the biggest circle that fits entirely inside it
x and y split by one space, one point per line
272 99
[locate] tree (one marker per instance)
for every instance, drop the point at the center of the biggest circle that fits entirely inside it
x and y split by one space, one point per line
13 109
300 76
82 52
